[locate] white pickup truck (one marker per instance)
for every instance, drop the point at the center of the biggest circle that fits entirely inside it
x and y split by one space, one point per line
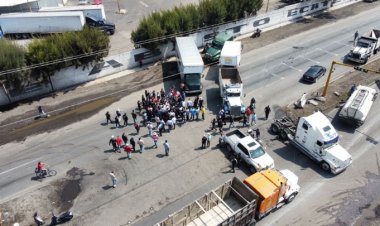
251 152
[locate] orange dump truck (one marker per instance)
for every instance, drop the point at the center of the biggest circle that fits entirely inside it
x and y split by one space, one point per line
274 188
235 203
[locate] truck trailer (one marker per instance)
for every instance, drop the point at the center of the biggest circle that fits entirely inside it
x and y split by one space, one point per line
95 11
316 138
238 204
358 105
366 46
23 25
190 64
230 83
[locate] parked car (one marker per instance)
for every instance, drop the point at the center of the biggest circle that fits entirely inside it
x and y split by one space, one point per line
314 73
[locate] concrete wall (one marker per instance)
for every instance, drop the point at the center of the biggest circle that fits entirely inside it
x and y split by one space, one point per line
112 64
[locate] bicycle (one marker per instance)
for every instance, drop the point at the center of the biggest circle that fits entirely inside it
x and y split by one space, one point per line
46 172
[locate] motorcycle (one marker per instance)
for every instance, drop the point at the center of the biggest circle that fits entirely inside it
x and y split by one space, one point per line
256 34
38 219
62 218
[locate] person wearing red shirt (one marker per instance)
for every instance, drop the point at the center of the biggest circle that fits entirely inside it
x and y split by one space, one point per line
119 141
128 149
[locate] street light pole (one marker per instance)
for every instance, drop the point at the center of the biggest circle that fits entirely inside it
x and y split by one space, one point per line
267 6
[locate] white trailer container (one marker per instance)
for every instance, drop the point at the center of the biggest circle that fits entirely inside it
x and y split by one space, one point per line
190 64
41 22
359 104
231 54
95 11
230 83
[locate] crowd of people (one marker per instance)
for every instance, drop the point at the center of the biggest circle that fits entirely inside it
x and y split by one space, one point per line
159 112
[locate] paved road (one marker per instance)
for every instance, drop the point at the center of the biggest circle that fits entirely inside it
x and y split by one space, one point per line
149 182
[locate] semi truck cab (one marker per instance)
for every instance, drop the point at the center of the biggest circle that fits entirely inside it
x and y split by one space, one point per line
317 138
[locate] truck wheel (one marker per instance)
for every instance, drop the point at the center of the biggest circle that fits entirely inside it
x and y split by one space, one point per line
252 169
325 166
275 128
252 223
229 149
284 134
375 51
290 198
365 61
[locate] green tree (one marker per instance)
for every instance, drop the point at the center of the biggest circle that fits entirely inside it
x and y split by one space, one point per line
12 56
212 12
232 9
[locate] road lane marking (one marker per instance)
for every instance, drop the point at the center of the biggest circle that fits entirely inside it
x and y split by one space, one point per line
24 164
144 4
276 75
317 62
344 44
331 53
290 66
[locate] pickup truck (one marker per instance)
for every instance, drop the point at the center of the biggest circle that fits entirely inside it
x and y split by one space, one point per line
250 151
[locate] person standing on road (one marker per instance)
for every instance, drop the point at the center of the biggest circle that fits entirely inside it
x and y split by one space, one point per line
117 122
356 36
141 144
233 164
155 139
108 117
203 111
258 134
150 128
128 149
137 127
209 137
253 119
125 138
232 124
119 142
204 141
267 111
166 147
174 120
134 116
244 121
133 143
114 179
113 143
125 119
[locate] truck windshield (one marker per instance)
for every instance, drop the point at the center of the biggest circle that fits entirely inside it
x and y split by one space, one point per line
217 45
362 45
330 143
256 153
233 94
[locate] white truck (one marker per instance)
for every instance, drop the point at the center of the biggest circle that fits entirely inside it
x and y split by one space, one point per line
317 138
358 105
230 83
250 151
22 25
95 11
190 64
365 47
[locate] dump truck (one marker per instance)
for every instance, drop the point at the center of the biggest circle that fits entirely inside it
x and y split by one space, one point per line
316 138
250 151
358 105
367 45
235 203
213 52
190 64
230 83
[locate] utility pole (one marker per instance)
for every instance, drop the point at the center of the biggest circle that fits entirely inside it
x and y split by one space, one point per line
357 68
